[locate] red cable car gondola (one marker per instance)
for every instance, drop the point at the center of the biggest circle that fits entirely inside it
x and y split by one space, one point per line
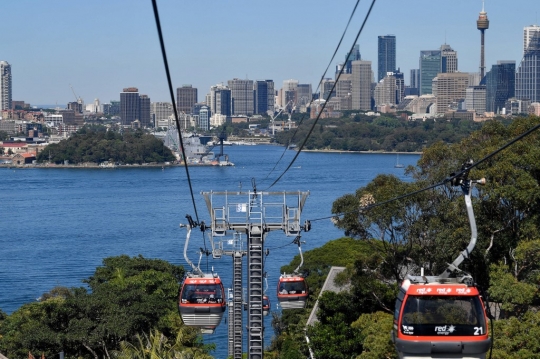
266 305
292 289
201 301
442 317
201 298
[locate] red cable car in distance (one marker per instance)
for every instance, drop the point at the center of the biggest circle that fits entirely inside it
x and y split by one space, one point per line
440 316
292 289
201 297
266 305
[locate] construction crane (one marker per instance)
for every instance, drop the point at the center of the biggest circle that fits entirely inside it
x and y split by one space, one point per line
77 98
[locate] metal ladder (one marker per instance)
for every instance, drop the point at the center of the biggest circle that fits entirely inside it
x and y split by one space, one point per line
237 307
255 285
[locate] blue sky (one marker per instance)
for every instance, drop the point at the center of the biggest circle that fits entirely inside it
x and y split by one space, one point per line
101 46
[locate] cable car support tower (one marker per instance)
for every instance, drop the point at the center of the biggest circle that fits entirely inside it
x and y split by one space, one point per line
254 214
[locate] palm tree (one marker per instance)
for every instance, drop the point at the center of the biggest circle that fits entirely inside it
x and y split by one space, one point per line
158 346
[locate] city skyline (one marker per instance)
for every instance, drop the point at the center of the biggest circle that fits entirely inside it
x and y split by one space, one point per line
99 48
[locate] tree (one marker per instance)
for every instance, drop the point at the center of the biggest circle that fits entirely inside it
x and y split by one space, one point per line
157 345
127 297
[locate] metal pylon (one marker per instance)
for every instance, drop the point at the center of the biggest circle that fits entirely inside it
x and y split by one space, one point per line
255 214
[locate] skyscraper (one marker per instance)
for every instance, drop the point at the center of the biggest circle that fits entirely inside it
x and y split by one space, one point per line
220 100
451 89
134 107
303 96
475 99
326 86
361 85
482 24
5 86
449 61
144 110
129 105
241 96
203 122
264 96
528 74
160 111
186 97
528 33
500 85
354 56
385 91
386 59
430 66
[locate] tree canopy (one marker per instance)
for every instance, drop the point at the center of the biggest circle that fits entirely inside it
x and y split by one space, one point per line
96 144
428 230
126 299
359 132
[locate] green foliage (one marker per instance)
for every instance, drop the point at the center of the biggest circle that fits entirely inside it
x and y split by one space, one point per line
157 345
96 145
517 290
517 338
127 297
374 334
318 261
359 132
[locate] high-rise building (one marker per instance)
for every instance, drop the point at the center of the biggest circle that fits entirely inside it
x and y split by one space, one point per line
241 96
386 58
203 122
129 105
500 85
528 33
449 61
326 86
220 100
303 97
264 96
361 85
528 74
5 86
349 58
430 66
144 110
344 86
400 86
134 107
385 91
160 111
482 24
186 97
450 90
475 99
114 110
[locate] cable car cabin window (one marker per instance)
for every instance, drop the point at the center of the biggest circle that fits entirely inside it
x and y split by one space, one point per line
292 287
202 294
443 316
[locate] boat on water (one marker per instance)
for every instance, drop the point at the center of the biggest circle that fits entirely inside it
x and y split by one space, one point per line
197 149
398 165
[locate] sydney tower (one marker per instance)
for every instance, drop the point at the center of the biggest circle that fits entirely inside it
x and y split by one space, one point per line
482 24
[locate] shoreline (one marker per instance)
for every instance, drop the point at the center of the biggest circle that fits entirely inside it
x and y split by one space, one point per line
365 152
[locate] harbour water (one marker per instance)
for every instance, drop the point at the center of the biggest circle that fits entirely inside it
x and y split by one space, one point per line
57 225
